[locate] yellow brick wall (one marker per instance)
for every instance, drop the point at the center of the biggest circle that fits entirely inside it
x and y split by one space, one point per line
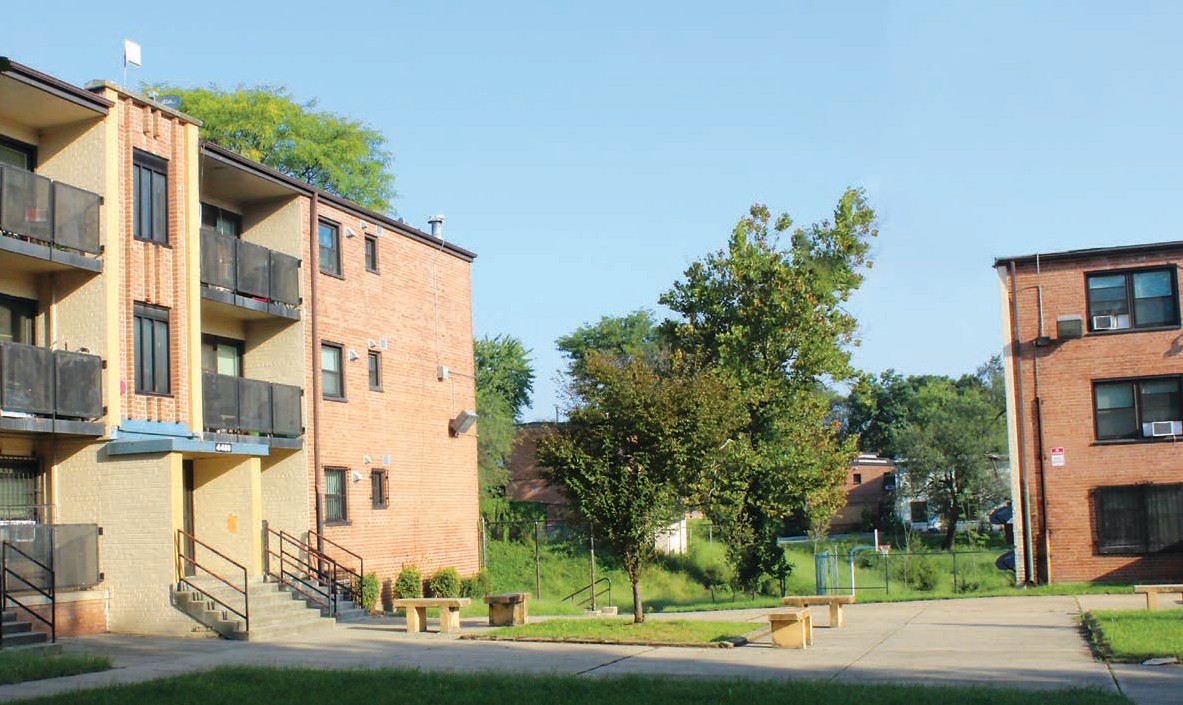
227 513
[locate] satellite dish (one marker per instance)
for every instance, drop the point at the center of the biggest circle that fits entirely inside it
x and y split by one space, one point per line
170 101
1002 515
1006 561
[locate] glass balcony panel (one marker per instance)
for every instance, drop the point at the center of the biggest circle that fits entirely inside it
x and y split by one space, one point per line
285 405
76 218
254 270
220 401
285 279
255 405
218 257
25 204
26 379
78 378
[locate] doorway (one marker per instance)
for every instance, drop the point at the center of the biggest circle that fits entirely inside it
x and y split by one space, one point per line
187 520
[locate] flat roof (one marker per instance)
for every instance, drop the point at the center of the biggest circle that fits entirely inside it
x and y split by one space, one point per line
1092 252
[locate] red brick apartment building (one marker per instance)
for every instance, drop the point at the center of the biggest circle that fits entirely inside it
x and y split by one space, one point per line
1095 412
869 484
210 368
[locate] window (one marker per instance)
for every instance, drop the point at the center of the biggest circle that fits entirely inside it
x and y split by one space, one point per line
858 478
20 489
375 363
1139 518
335 509
919 512
222 220
1139 408
149 198
16 320
17 154
371 254
221 356
1140 299
332 375
150 334
330 249
378 485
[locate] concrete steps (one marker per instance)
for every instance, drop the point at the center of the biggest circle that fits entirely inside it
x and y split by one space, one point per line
275 613
19 633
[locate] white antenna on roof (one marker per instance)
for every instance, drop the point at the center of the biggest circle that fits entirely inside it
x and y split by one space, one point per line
131 57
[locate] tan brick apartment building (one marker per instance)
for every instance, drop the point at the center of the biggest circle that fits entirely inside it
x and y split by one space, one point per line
192 342
1095 410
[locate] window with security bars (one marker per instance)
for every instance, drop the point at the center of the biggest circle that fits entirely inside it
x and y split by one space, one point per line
1139 519
20 490
334 495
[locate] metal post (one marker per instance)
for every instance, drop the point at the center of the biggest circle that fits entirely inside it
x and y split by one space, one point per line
954 571
887 573
537 561
592 538
484 544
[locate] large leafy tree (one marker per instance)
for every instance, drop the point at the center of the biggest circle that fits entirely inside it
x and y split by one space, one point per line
634 335
265 123
639 433
504 382
772 314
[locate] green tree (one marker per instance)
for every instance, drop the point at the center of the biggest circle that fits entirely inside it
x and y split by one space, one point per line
623 337
774 317
265 123
944 449
638 436
504 381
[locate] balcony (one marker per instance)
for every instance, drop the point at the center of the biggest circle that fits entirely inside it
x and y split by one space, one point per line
268 412
50 391
249 276
49 221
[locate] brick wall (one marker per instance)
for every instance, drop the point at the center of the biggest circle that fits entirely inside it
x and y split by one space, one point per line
420 303
1066 531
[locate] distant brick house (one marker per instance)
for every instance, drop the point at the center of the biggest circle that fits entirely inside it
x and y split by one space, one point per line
527 480
870 481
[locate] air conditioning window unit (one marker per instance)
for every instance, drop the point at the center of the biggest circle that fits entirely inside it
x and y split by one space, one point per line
1159 429
1120 321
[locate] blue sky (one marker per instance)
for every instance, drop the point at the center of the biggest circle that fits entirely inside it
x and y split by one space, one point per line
589 153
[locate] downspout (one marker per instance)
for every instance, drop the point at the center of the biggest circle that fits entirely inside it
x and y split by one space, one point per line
314 269
1045 530
1016 354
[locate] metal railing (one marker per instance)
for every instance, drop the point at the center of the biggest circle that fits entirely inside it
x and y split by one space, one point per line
591 598
55 383
248 269
311 573
242 405
354 577
48 591
48 211
185 540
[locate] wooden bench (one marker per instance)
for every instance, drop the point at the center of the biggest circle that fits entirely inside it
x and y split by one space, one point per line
837 619
508 609
791 629
1153 591
416 608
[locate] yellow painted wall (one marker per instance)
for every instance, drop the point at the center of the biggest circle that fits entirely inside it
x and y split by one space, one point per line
227 511
285 491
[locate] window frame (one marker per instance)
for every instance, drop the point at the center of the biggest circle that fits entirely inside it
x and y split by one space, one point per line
1139 420
340 351
29 150
857 479
1131 300
221 214
335 228
380 479
157 168
1103 545
156 318
344 495
217 340
371 248
29 328
374 370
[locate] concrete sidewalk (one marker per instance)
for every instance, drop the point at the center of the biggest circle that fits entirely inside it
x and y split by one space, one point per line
1022 642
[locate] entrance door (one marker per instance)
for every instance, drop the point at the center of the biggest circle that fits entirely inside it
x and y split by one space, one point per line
187 501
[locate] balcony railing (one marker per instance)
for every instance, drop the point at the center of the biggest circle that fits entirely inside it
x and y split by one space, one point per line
71 549
40 382
48 212
249 270
249 406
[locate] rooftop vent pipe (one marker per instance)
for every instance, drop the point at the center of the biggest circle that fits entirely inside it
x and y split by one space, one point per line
437 226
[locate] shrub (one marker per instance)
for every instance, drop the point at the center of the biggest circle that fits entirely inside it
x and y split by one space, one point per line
924 574
409 583
445 582
365 590
477 586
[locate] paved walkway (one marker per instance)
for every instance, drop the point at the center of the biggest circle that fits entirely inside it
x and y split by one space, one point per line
1024 642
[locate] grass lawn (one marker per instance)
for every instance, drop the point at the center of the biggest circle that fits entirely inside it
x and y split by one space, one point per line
235 686
18 666
1136 635
677 631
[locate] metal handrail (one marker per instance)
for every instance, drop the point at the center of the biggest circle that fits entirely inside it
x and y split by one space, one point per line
361 562
585 588
310 587
245 614
50 595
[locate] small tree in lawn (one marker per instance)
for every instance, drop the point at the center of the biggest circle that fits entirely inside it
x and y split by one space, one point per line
638 435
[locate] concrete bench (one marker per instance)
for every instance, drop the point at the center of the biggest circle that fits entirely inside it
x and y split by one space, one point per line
791 629
416 608
835 602
508 609
1153 591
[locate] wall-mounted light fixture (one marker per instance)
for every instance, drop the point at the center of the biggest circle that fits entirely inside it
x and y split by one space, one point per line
463 421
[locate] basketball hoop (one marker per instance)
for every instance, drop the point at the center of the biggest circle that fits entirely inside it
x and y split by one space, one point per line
885 549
